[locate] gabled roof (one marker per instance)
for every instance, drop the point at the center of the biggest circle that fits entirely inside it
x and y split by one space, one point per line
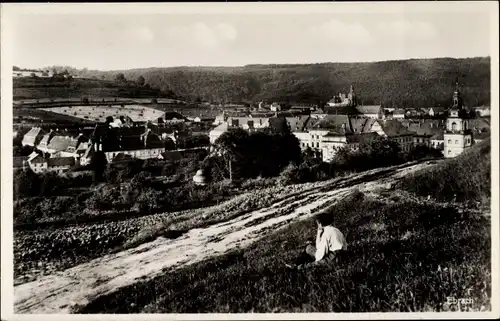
46 139
427 127
37 159
393 128
33 135
62 143
334 123
221 128
60 161
371 109
33 155
362 124
298 123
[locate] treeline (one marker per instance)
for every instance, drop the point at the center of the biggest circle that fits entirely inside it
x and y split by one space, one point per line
401 83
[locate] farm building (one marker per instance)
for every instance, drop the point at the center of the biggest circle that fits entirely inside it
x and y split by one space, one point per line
40 164
138 142
33 137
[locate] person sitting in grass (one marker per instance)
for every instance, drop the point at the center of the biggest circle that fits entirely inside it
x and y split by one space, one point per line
329 241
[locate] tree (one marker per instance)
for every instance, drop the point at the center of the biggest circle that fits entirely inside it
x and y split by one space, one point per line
109 120
98 164
120 78
141 81
232 146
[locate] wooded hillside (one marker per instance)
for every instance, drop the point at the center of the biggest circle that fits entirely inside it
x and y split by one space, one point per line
401 83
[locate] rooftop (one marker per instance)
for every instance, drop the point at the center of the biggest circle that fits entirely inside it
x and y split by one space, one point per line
371 109
60 161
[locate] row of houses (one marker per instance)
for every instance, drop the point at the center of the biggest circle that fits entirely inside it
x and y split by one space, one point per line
345 124
58 151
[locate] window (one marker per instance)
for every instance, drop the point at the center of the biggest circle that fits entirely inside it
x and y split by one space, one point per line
456 141
454 126
449 141
449 151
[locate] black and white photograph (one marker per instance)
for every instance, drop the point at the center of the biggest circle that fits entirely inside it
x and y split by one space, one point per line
259 160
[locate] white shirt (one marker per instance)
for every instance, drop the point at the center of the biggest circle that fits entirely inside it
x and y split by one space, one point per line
329 239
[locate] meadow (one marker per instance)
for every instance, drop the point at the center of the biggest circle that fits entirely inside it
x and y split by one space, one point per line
99 113
406 253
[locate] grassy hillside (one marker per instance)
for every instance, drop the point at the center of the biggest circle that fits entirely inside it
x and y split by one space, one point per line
403 256
402 83
41 88
467 176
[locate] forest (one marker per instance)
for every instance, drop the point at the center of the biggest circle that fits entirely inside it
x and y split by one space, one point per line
398 83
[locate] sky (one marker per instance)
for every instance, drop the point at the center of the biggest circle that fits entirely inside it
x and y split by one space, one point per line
110 39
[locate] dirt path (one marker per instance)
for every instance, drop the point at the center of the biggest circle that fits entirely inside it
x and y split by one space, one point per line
62 291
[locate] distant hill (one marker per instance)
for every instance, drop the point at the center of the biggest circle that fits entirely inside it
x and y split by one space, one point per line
401 83
42 88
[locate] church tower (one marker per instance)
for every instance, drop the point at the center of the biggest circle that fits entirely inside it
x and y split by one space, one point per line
457 135
352 97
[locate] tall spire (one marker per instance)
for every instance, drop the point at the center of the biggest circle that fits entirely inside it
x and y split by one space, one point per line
457 101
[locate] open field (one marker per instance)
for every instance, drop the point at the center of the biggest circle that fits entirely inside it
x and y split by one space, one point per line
47 116
99 113
198 237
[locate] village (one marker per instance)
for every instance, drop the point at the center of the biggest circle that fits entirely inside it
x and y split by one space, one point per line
143 132
282 159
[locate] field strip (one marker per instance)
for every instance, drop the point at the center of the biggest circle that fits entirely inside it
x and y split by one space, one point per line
76 286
